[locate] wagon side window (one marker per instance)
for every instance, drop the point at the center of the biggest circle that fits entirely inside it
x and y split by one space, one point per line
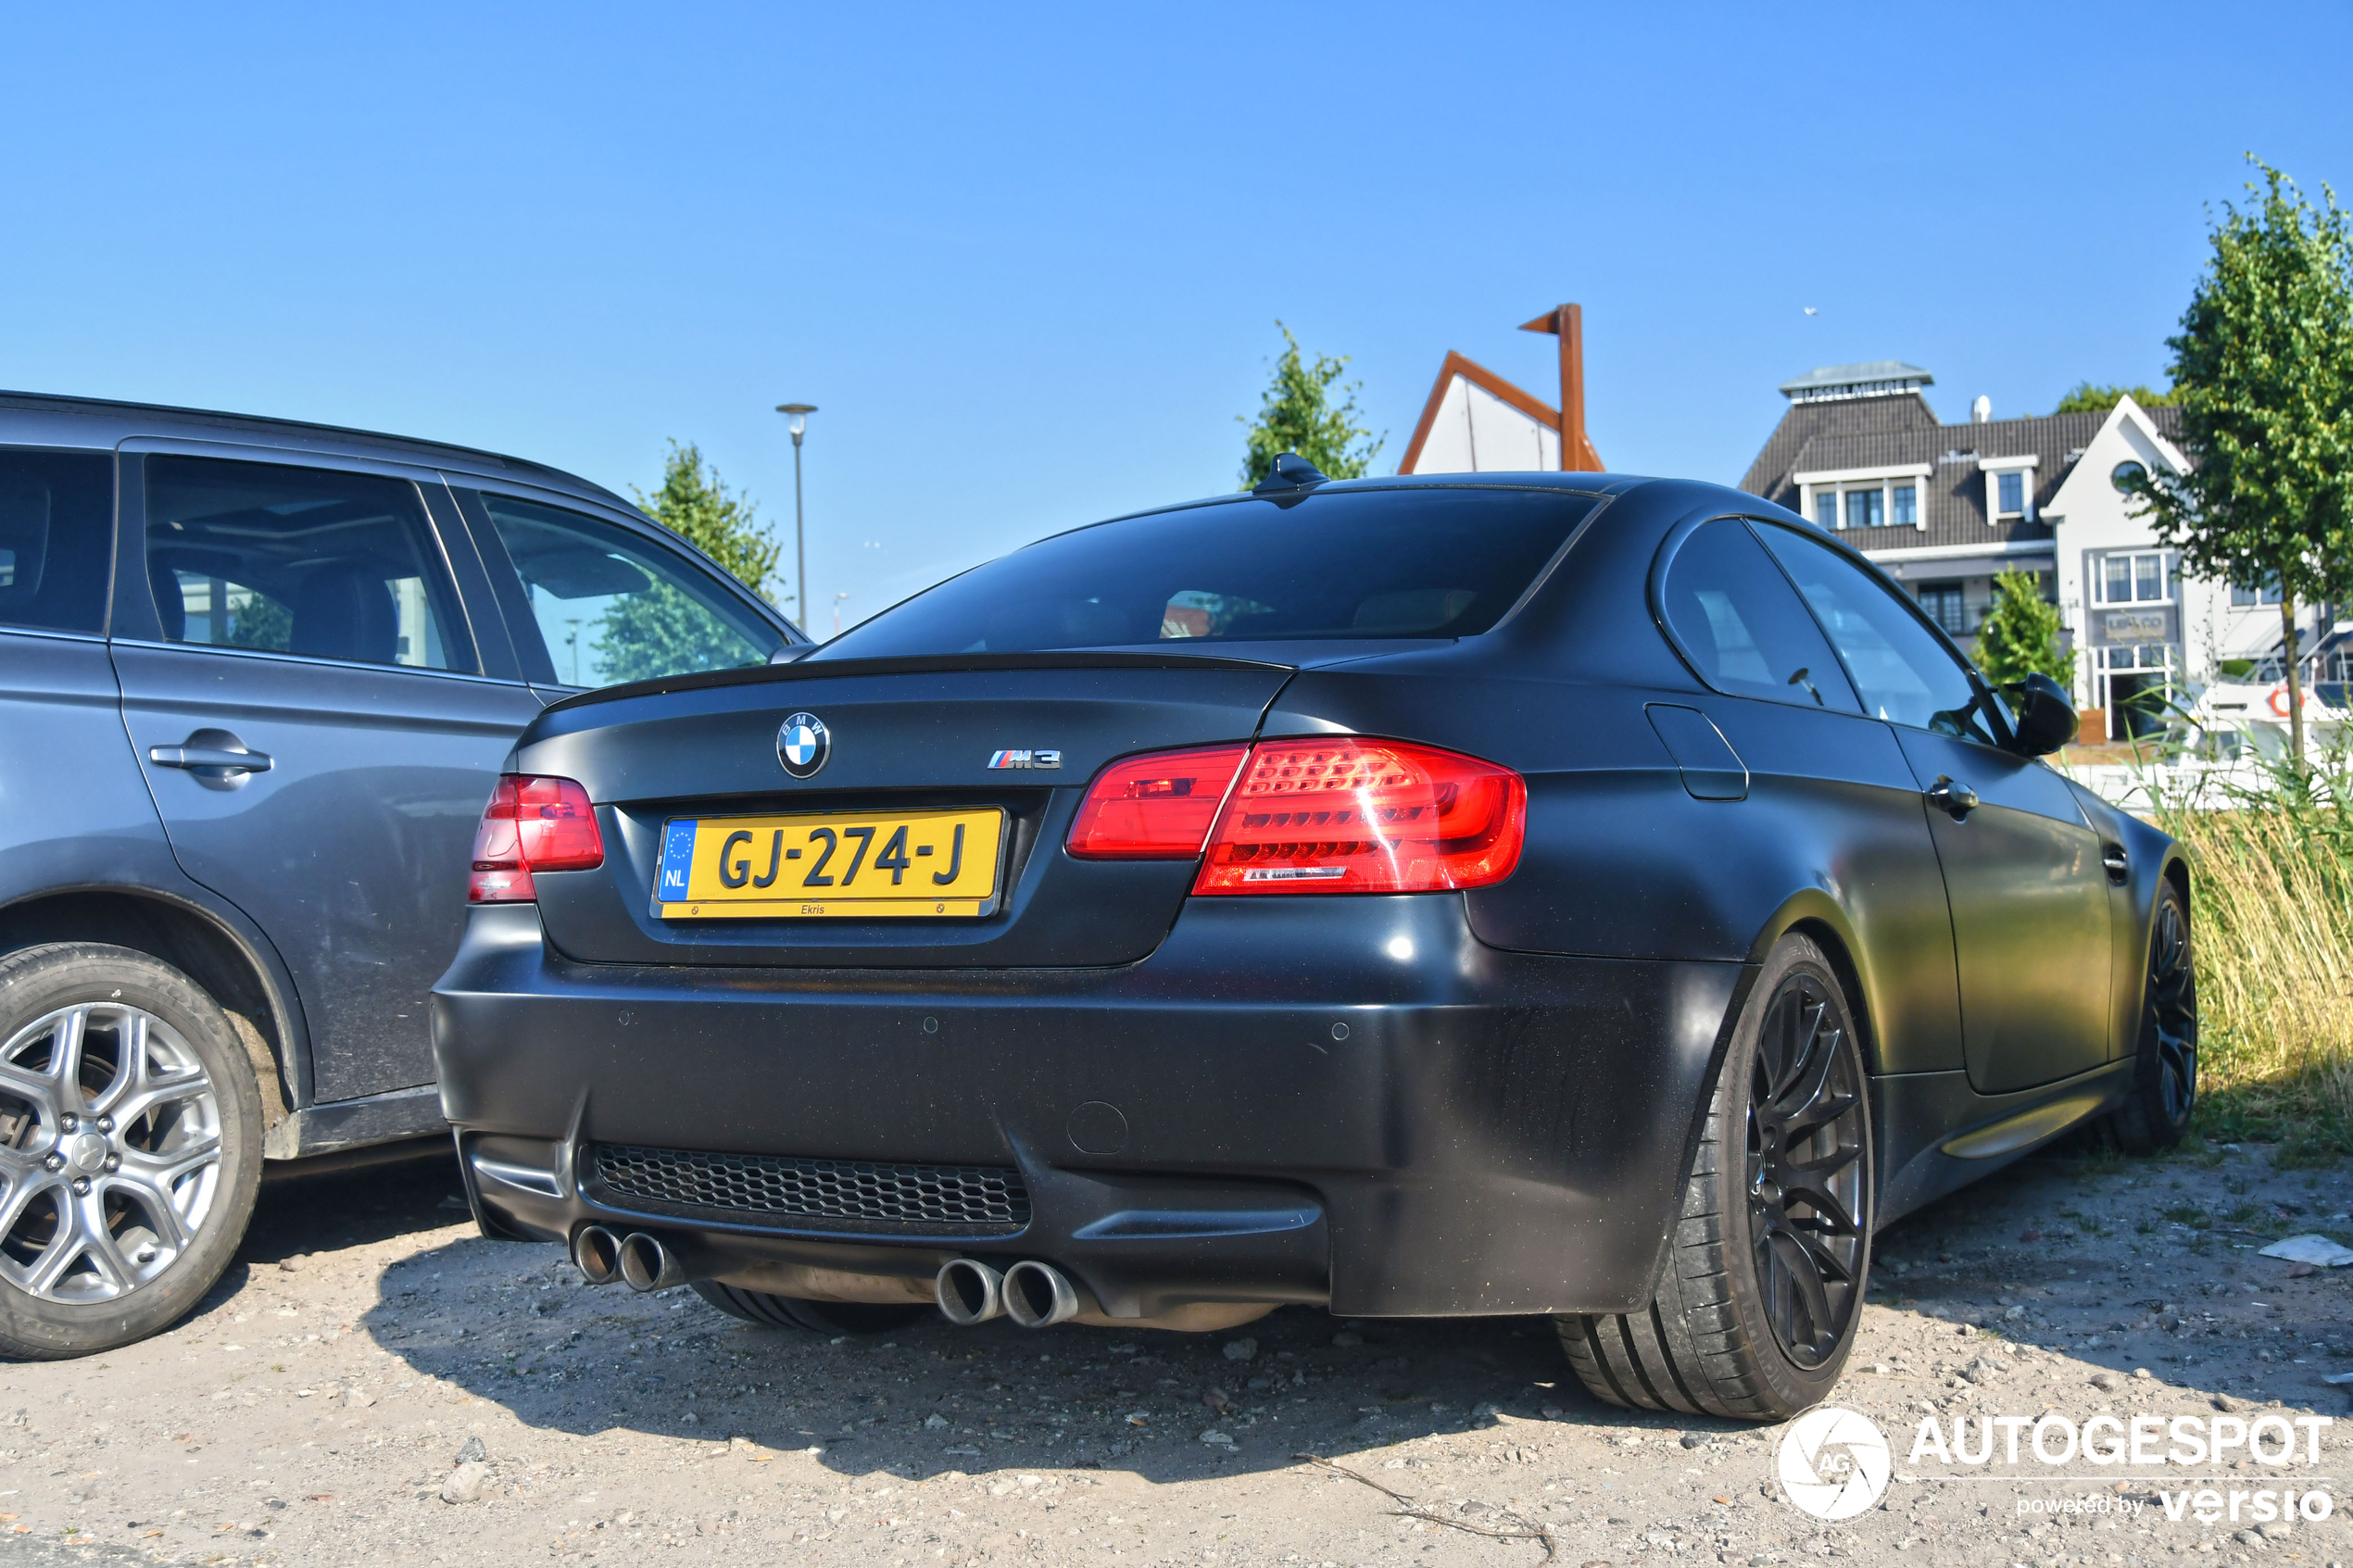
1742 627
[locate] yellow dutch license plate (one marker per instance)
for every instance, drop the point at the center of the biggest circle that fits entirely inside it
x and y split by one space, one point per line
838 865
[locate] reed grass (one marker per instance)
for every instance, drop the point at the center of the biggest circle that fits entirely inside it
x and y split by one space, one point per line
2271 923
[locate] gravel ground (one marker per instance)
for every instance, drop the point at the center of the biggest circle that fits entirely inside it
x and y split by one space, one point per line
367 1347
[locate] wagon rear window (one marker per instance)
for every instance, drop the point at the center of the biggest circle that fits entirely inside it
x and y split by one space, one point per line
56 538
1410 562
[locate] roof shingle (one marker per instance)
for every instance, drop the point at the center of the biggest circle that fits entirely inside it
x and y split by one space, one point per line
1892 432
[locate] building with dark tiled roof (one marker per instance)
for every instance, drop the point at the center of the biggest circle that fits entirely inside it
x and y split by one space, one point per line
1943 508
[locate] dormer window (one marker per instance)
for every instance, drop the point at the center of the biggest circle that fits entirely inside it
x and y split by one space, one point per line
1838 499
2010 489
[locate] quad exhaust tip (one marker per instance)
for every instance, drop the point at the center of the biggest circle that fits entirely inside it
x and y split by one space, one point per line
595 1253
647 1264
1038 1295
969 1292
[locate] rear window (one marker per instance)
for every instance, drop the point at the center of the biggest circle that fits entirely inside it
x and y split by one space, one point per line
1369 563
56 538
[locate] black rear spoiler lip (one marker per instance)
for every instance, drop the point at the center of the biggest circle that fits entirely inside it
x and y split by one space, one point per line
919 664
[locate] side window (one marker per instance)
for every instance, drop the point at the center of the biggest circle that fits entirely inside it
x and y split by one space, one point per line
1734 612
615 607
56 538
299 560
1903 674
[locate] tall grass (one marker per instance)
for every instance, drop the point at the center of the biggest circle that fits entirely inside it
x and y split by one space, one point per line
2272 922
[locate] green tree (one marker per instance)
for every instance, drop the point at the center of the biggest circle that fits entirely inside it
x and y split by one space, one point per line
2020 633
695 505
2263 366
1299 415
2084 397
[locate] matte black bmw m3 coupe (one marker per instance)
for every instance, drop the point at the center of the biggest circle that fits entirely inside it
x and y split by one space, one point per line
1556 894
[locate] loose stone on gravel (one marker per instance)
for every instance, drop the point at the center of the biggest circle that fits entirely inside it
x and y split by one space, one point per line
465 1484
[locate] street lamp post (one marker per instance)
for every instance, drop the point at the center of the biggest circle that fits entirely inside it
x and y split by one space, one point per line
797 413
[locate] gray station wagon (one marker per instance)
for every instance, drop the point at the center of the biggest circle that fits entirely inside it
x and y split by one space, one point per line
256 679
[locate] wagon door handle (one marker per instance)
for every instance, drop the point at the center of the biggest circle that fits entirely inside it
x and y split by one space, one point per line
2118 863
1956 800
211 757
216 759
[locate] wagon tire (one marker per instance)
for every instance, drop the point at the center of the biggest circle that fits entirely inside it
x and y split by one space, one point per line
131 1127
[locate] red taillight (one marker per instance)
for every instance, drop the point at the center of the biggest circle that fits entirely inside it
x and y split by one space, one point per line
1364 816
532 825
1154 807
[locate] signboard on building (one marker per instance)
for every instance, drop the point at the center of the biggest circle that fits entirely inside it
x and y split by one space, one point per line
2117 628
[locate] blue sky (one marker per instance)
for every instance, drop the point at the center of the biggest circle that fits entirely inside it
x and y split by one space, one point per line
1028 262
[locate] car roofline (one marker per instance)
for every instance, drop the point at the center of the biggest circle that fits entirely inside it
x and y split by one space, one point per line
1599 486
427 453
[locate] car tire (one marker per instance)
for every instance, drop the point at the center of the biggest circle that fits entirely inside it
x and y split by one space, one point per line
113 1227
2156 1110
1758 1299
814 1317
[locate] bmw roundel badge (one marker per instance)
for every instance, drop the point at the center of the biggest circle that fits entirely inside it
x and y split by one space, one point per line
802 745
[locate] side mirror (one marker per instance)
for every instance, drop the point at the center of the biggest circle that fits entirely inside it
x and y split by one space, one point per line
2045 715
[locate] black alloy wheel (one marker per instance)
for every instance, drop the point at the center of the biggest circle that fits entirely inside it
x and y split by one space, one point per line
1805 1171
2156 1112
1757 1308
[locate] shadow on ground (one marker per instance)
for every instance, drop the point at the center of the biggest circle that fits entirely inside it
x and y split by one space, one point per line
506 1322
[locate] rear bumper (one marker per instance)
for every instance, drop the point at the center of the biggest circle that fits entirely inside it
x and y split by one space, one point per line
1338 1100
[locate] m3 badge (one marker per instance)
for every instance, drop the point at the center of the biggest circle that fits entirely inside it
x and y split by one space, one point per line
1024 759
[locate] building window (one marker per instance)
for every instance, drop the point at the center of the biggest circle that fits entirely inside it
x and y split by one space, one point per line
2134 578
1867 508
1907 506
2011 493
2248 598
2126 474
1944 604
1826 507
2136 685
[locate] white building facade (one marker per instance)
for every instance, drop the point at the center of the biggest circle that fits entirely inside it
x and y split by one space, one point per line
1944 507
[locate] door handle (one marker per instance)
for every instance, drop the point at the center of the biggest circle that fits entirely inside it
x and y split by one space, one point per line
218 758
2118 863
1956 800
210 756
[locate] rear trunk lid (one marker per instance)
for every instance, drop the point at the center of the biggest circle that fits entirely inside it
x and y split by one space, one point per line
906 735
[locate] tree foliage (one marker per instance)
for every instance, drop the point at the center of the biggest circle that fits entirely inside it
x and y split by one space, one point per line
2085 397
694 504
1299 415
2263 367
659 630
2020 633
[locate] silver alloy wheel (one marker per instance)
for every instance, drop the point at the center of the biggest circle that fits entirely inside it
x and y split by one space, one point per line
110 1152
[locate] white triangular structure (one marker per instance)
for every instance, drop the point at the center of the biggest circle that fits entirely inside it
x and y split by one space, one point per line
1475 431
